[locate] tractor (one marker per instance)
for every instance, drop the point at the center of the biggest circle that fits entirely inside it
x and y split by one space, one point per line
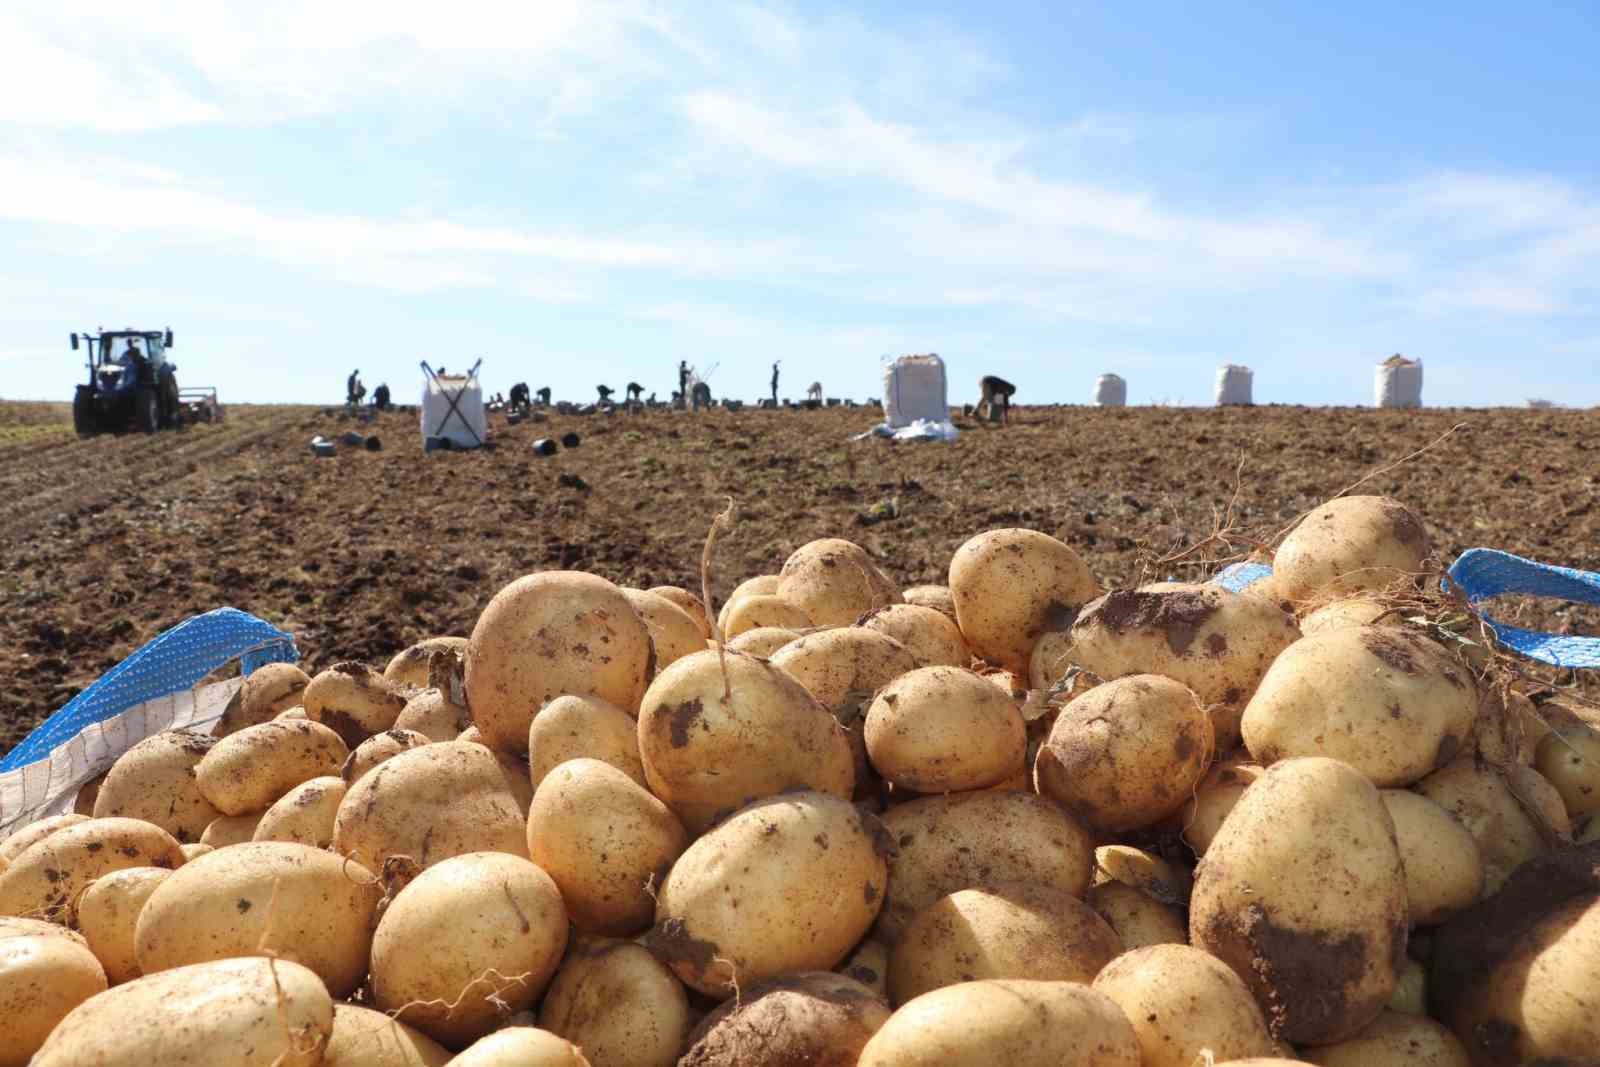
134 388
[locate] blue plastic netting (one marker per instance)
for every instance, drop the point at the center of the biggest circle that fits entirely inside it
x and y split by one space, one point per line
174 661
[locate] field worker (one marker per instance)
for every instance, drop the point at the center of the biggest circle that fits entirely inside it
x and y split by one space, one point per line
350 386
683 378
775 385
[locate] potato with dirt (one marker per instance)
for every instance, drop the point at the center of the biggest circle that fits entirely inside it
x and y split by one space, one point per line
763 641
844 666
572 727
550 634
1217 642
1568 757
366 1038
936 597
869 965
108 916
1394 1040
1320 944
815 1018
1127 753
760 585
1444 870
1183 1003
931 636
618 1003
155 780
439 711
834 582
1349 611
673 632
764 611
1139 919
1010 587
354 701
790 883
1204 811
413 665
34 832
1504 820
688 602
305 814
42 979
45 881
377 748
247 771
711 746
1350 545
944 730
265 692
228 830
1389 702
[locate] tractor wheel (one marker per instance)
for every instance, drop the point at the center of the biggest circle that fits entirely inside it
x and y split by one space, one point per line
147 409
83 417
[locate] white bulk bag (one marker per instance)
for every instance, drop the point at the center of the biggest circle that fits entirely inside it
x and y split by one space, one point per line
465 426
1398 383
914 387
1110 391
1234 384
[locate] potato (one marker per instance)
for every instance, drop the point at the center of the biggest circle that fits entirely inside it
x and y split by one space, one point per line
1012 586
1480 799
108 915
521 1046
1351 611
1213 799
88 793
586 809
1411 995
228 830
1139 919
354 701
763 641
1320 944
16 926
1509 728
366 1038
1541 800
549 634
296 712
240 1012
266 691
1050 659
760 585
1144 871
944 729
931 636
1183 1002
673 632
34 832
411 666
197 850
42 979
619 1004
869 965
1568 757
377 748
1394 1040
429 804
573 727
1389 702
155 781
246 771
294 901
790 883
978 841
1349 545
44 882
465 938
834 582
844 666
688 602
763 611
706 754
1014 1023
936 597
1444 872
1217 642
1007 931
439 712
1127 753
305 814
815 1018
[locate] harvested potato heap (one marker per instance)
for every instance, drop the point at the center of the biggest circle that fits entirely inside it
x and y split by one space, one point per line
1016 818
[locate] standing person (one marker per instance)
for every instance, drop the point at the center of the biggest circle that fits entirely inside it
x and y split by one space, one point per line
350 386
775 384
683 381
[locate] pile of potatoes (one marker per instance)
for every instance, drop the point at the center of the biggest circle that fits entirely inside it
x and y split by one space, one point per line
1017 819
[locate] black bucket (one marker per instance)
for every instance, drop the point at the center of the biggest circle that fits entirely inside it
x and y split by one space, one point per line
569 440
545 447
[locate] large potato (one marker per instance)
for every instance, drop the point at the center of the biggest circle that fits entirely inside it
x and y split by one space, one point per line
34 832
573 727
943 730
1183 1002
786 884
366 1038
1217 793
1303 894
1008 931
240 1012
816 1018
978 841
688 602
1139 919
711 747
1215 641
763 641
1483 802
466 939
293 901
618 1003
834 582
429 804
47 879
607 843
1127 753
1394 1040
550 634
266 691
42 979
1349 545
1444 872
1012 586
246 771
521 1046
931 636
305 814
1389 702
155 781
1014 1023
108 916
377 748
354 701
413 666
673 632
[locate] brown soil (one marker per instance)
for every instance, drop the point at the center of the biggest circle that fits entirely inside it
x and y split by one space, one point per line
110 540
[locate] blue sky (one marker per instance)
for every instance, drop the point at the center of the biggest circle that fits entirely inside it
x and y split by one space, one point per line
588 192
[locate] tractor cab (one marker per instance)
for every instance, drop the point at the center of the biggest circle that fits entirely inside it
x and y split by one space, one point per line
132 382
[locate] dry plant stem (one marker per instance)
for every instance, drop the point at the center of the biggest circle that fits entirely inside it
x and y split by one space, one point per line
717 524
